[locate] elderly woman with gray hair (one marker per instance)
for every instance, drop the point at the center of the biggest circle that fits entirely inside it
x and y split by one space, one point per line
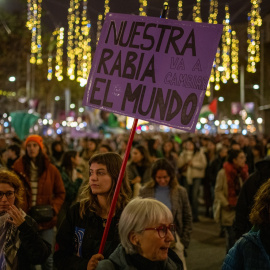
146 232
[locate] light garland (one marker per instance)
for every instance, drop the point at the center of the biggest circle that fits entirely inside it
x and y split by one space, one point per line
180 10
253 31
106 7
197 12
217 72
234 57
59 54
99 26
213 12
143 7
70 41
34 25
50 59
84 57
226 46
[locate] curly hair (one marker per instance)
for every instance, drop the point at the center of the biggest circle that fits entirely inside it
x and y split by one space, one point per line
113 162
260 211
12 179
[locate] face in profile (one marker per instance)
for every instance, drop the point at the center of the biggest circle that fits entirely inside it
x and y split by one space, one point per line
152 244
100 180
240 160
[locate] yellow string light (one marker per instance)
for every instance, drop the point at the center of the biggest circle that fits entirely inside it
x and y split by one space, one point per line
99 26
59 54
197 12
39 43
180 10
213 12
70 41
234 57
106 7
226 46
50 58
253 31
34 25
217 72
29 23
143 7
84 56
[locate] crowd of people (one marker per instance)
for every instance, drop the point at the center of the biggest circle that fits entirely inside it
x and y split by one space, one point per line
66 188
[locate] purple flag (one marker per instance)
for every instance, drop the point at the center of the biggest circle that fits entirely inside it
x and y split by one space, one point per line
153 69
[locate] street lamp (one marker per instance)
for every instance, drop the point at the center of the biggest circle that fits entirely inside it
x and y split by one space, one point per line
12 78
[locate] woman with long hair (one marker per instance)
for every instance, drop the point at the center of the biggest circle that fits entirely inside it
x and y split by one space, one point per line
229 182
80 234
192 163
164 187
43 185
72 179
139 168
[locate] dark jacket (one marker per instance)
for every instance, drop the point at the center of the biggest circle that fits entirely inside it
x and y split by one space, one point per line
118 261
78 239
33 249
247 254
246 196
71 187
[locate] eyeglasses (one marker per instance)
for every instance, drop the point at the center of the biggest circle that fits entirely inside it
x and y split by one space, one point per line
163 230
9 194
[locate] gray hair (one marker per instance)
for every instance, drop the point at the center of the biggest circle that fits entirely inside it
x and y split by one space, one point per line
138 215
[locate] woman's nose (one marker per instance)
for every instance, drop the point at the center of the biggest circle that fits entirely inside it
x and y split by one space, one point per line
169 236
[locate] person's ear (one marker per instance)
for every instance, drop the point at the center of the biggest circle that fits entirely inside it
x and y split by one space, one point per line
134 238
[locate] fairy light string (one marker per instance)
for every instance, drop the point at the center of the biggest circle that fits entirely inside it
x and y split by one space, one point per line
226 47
34 8
106 7
59 54
143 7
253 31
197 12
180 10
70 41
213 12
99 26
235 57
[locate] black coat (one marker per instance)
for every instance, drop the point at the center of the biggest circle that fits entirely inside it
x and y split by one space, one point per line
33 249
78 239
246 196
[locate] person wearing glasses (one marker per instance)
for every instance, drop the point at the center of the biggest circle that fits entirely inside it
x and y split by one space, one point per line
79 236
252 251
146 231
20 244
164 187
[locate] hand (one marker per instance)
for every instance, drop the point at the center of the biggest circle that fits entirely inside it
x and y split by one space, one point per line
137 179
16 217
93 262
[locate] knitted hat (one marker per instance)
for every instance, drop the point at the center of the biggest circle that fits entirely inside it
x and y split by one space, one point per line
35 138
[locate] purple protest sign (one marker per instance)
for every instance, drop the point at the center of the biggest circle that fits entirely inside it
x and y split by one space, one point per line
152 69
